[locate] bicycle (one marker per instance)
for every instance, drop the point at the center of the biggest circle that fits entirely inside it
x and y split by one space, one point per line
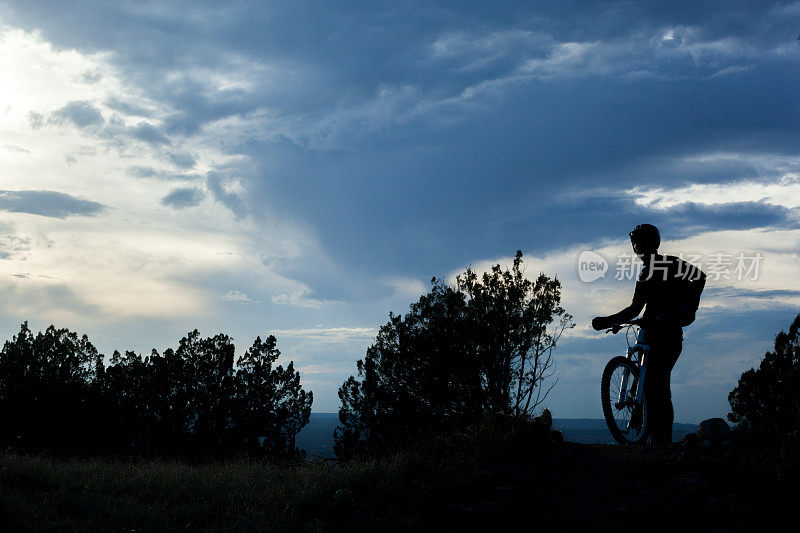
622 388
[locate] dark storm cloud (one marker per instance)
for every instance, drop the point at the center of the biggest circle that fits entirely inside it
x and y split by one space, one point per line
80 113
90 77
45 297
215 184
156 174
181 198
144 172
127 108
185 161
344 57
695 218
764 294
48 204
199 102
407 132
147 133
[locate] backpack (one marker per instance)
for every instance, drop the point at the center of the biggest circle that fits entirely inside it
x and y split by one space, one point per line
689 287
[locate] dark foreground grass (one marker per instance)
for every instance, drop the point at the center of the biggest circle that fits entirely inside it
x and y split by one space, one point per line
104 494
46 493
481 480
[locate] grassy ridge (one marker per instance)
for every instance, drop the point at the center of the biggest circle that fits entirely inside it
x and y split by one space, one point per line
391 491
465 481
46 493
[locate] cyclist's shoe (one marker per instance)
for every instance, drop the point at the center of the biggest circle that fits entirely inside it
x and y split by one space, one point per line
636 420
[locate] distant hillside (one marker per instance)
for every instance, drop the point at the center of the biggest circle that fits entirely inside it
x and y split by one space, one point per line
317 437
595 430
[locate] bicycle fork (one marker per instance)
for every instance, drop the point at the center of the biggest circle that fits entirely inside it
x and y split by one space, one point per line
623 387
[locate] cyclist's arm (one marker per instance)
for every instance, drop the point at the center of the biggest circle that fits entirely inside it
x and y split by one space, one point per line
627 314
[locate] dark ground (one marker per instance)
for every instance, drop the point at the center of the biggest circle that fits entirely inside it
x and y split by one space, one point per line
560 487
583 487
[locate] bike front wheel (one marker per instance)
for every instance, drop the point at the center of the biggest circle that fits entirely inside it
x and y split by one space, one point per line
626 418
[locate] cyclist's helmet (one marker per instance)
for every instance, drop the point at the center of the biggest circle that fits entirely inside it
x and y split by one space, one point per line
646 234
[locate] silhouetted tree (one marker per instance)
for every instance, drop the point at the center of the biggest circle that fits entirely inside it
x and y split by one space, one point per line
767 400
56 394
208 388
45 389
168 394
125 392
270 405
484 344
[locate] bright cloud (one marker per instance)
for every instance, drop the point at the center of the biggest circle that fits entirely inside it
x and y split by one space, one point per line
299 297
320 332
77 221
236 296
407 287
785 191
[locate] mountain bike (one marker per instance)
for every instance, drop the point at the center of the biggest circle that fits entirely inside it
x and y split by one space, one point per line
622 388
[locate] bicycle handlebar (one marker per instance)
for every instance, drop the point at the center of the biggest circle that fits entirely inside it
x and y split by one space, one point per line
617 327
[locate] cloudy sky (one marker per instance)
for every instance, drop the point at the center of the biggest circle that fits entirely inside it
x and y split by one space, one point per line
302 168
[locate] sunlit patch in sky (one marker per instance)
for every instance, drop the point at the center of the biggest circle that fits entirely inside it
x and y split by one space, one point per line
112 245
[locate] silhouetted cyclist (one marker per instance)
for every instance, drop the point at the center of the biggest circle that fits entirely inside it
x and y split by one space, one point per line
669 290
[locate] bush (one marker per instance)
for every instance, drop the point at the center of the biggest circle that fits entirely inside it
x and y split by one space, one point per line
484 345
765 404
768 399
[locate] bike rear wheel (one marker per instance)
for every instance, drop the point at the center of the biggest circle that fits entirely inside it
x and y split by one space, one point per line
626 419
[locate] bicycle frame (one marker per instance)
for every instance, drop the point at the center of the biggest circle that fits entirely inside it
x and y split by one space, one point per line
637 354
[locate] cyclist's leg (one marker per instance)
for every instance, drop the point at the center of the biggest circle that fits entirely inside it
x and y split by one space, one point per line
654 390
664 352
675 352
669 412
